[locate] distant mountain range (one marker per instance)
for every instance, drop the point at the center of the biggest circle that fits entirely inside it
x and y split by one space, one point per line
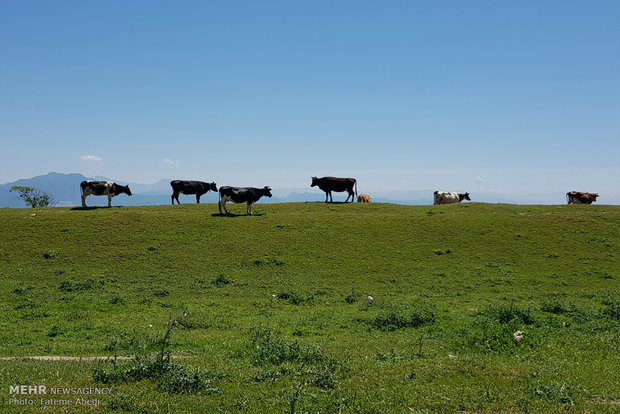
65 188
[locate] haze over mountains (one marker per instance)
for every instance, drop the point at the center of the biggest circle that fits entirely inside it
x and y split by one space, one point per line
65 188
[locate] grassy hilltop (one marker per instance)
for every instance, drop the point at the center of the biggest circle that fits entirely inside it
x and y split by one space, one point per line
313 307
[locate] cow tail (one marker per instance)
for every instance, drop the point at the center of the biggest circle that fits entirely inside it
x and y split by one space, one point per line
355 190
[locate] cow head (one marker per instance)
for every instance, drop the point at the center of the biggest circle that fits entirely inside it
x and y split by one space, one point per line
465 197
213 187
593 195
315 182
267 191
123 189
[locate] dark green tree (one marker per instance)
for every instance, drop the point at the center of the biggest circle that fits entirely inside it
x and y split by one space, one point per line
34 197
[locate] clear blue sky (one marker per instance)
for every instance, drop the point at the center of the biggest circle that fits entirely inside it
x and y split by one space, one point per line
455 95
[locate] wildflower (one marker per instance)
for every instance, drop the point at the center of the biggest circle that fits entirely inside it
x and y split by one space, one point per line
518 336
370 298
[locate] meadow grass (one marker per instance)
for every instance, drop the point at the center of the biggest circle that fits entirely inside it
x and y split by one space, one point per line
313 307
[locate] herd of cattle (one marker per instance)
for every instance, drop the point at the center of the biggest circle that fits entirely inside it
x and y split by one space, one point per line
251 195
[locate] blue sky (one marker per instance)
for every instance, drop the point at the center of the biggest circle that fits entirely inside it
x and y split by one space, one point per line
487 96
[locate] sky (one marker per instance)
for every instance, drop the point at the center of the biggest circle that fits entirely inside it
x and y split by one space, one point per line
479 96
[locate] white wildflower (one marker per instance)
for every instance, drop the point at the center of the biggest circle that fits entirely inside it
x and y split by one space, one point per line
518 336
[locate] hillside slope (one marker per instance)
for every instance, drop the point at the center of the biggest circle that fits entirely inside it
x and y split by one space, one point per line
325 307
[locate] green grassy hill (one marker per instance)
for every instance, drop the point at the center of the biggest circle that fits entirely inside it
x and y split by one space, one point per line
314 307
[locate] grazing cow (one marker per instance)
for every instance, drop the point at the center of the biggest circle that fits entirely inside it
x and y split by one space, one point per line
329 184
249 195
99 188
442 197
576 197
190 187
364 198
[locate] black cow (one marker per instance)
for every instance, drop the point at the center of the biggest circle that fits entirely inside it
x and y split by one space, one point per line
249 195
98 188
329 184
190 187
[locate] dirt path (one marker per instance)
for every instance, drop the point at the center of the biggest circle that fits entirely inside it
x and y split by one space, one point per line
77 358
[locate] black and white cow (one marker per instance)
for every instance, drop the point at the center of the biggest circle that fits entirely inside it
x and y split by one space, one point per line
443 197
329 184
190 187
99 188
249 195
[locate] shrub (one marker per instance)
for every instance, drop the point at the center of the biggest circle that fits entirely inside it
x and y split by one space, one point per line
173 378
269 348
295 298
504 314
222 280
269 261
34 197
393 319
564 393
553 307
612 309
161 293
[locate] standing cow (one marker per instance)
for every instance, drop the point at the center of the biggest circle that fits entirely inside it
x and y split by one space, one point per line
249 195
190 187
98 188
576 197
364 198
443 197
329 184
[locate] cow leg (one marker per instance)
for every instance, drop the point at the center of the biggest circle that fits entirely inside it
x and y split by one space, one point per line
249 208
172 198
326 195
219 205
84 200
223 204
109 200
198 198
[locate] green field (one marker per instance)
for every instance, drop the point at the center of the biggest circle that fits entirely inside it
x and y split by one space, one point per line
313 307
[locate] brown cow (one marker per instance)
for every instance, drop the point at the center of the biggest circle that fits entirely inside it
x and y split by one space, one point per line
364 198
576 197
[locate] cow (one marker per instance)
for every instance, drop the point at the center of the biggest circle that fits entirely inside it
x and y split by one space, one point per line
249 195
364 198
576 197
190 187
442 197
99 188
329 184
